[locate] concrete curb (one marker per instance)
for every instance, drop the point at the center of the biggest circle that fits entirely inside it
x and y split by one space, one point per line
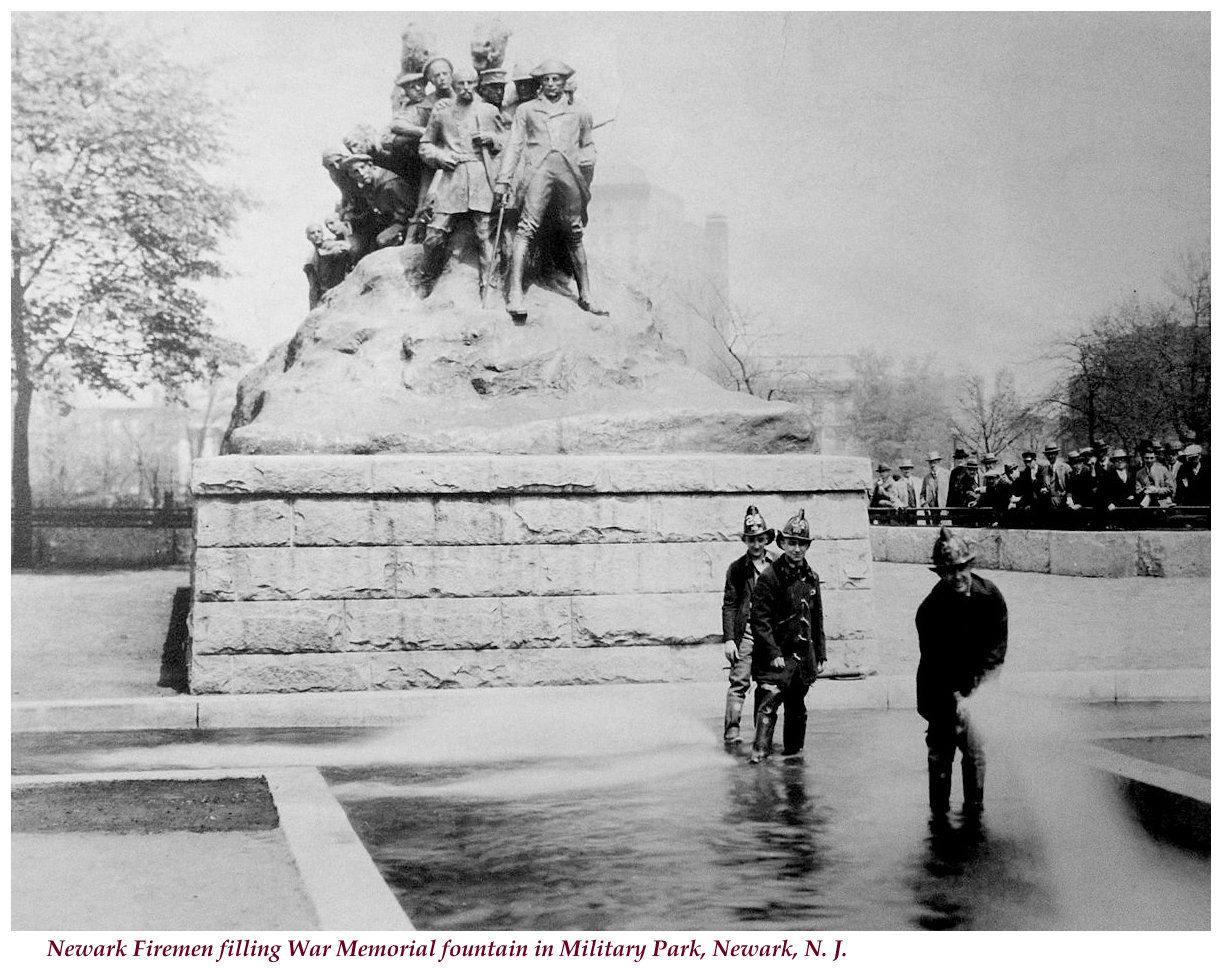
374 709
339 876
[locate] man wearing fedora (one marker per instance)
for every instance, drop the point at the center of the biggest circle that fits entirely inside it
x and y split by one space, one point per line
1024 484
961 490
883 493
1051 481
1118 488
963 628
1192 479
907 489
741 577
789 648
933 485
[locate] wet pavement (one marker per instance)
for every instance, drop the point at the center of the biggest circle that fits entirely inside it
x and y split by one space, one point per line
681 834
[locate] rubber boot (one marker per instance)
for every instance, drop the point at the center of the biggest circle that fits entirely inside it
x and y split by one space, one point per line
939 787
515 303
734 715
973 786
765 726
581 271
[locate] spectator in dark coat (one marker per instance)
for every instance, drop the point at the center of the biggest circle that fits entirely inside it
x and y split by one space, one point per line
961 491
1024 484
963 629
789 652
1119 486
997 491
1192 479
1084 484
741 577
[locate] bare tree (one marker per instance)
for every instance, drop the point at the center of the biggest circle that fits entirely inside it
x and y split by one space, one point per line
740 340
897 408
1141 369
991 419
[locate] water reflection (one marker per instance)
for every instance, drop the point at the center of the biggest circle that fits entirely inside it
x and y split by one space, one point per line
968 877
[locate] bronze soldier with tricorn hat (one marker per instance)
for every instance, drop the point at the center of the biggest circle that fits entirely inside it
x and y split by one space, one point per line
790 650
549 163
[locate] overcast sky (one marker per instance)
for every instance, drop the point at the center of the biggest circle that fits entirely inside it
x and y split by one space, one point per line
968 185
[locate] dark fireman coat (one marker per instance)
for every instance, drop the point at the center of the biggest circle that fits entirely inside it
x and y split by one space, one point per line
736 601
783 596
963 638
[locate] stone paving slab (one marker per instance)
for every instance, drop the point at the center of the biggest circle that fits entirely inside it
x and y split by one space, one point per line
173 881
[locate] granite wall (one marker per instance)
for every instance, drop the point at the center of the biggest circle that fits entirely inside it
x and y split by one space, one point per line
402 571
1089 554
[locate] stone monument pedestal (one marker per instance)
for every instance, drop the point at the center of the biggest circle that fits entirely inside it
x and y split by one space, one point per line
398 571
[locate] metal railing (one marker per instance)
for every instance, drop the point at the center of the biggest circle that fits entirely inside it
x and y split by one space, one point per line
1121 519
175 516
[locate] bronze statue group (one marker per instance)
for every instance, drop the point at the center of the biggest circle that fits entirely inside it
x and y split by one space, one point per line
772 627
510 153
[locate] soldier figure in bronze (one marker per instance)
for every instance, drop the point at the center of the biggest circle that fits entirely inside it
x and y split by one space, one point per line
401 141
388 198
549 161
352 207
462 136
328 264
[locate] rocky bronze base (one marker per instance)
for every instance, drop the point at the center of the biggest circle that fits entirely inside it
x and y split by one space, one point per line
396 571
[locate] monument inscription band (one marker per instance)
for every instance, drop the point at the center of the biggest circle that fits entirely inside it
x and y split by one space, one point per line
353 572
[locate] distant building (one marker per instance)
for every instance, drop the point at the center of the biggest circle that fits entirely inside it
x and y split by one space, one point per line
641 233
116 452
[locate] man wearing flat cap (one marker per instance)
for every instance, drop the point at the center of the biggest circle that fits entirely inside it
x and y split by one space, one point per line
790 649
963 631
741 577
549 162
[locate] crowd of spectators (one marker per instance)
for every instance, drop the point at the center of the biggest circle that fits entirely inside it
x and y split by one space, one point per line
1095 481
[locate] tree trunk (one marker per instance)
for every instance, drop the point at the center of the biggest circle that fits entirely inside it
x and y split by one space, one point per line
23 498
